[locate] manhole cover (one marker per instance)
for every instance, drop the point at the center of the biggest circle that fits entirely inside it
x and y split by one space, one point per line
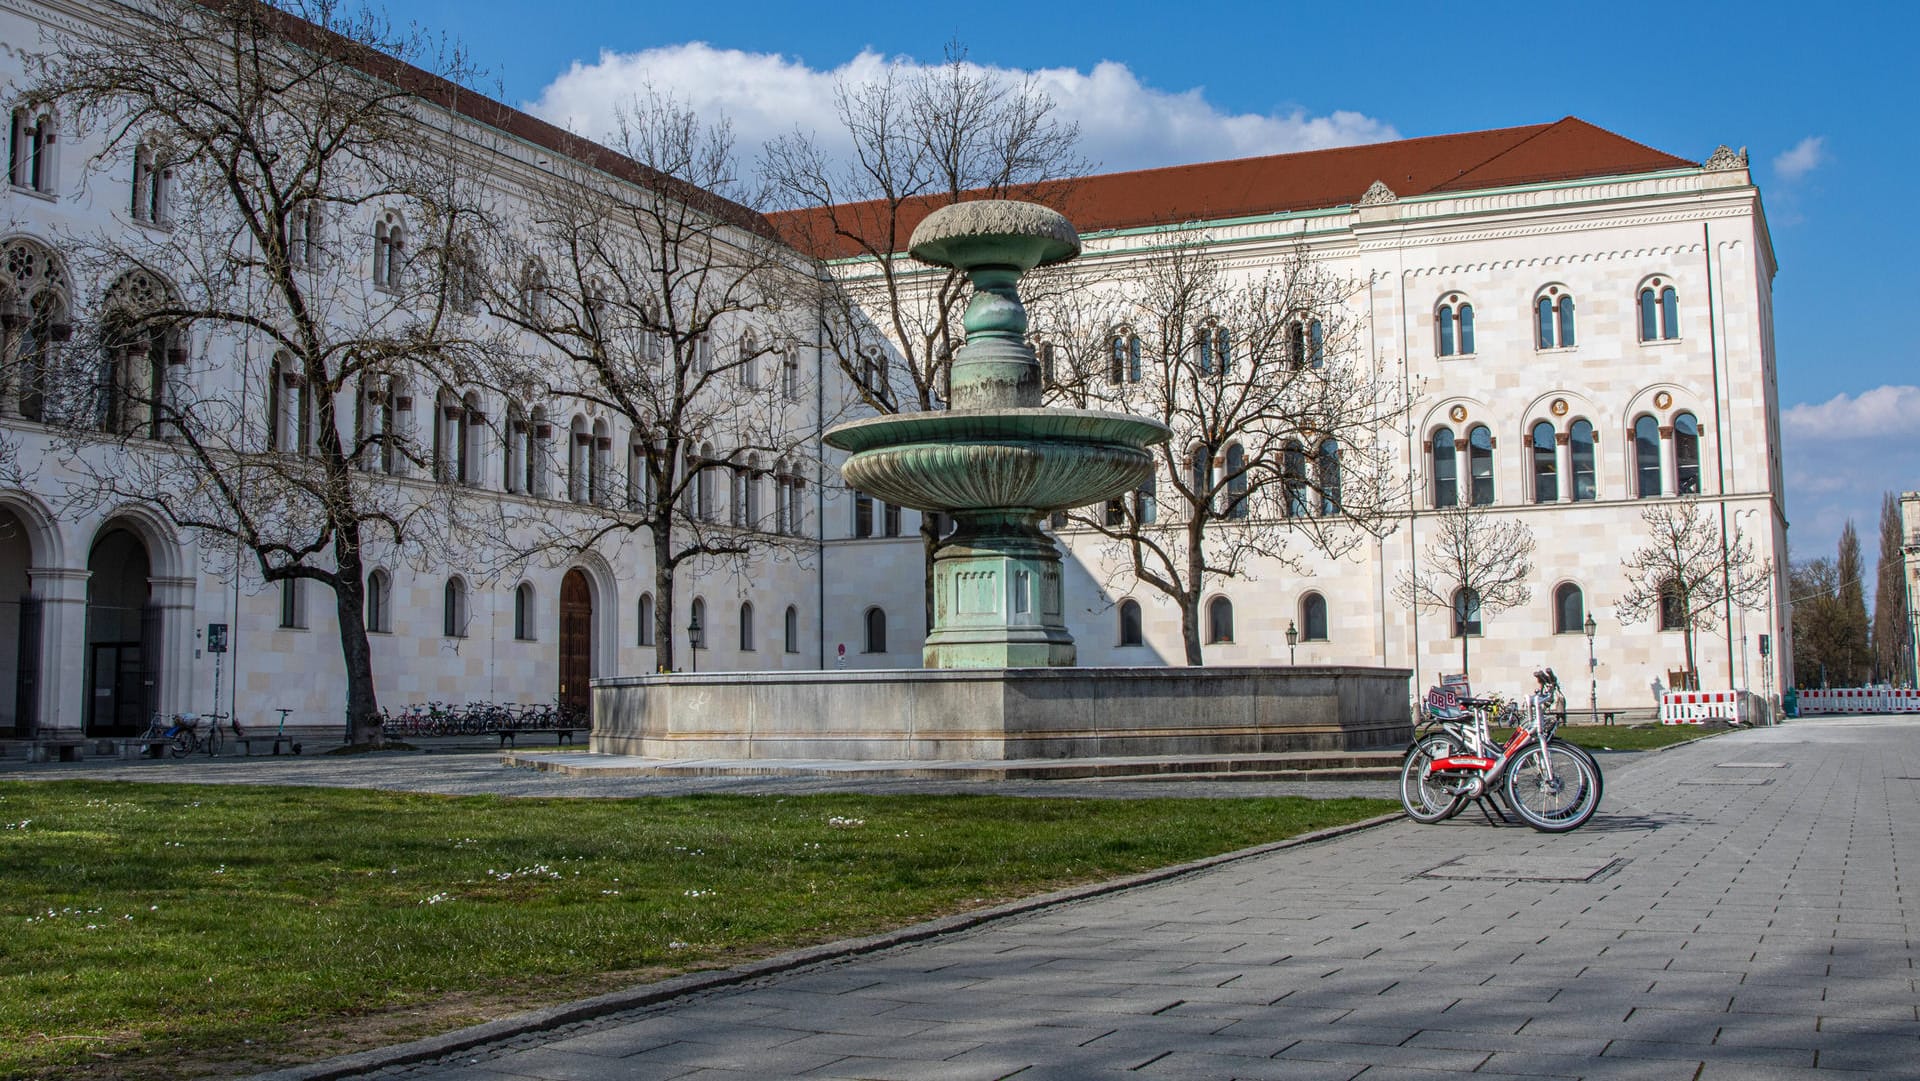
1729 780
1512 868
1750 765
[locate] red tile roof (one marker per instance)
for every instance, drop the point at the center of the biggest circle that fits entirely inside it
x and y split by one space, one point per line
1567 149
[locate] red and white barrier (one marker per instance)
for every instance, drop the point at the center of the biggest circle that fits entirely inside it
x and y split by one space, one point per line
1696 707
1860 700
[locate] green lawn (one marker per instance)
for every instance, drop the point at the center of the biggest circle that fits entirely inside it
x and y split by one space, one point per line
152 930
1625 737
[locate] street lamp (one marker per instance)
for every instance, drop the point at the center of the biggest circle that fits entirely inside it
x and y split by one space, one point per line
1293 636
696 639
1593 674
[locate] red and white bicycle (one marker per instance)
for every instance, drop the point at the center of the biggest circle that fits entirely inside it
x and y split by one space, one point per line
1553 787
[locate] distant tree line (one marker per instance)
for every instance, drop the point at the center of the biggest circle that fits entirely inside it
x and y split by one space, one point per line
1834 642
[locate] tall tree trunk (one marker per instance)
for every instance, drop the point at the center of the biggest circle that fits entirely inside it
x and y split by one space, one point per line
1464 639
1190 614
1190 627
663 599
349 596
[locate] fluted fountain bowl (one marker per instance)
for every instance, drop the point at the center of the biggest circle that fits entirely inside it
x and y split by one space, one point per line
1036 459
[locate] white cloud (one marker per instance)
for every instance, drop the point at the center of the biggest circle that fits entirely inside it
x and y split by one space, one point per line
1124 124
1880 412
1805 156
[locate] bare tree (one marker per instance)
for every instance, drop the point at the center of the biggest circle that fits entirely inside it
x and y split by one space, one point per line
1278 418
1475 567
1892 648
660 298
1689 570
921 139
274 150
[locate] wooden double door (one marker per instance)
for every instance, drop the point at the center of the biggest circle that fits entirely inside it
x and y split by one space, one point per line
576 640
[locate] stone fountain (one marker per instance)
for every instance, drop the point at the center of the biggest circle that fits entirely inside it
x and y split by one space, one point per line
1000 682
996 460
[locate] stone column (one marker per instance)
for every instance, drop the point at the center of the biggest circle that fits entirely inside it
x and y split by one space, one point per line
63 648
174 597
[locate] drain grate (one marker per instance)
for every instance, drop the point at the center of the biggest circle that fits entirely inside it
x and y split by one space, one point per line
1507 868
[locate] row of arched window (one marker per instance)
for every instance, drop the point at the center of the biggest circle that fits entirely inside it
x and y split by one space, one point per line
1311 627
1461 469
1213 351
1656 301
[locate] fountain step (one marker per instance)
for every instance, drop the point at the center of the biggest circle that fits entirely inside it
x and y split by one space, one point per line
1329 765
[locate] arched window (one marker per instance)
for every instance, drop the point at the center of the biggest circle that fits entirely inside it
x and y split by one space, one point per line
152 179
1216 350
453 609
523 612
1659 311
533 456
1146 503
30 149
646 617
1466 613
306 235
1306 344
579 459
749 362
1546 463
533 291
1673 607
1219 620
1553 318
133 392
379 602
1646 457
32 285
876 623
1480 464
289 409
1130 631
1313 618
792 628
1446 471
703 495
1569 610
1686 454
1586 485
789 372
1237 505
1293 479
599 464
472 424
449 430
1326 467
513 471
389 252
746 626
1454 322
697 628
1200 472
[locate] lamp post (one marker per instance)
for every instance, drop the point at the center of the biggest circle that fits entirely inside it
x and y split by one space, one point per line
1746 680
696 638
1593 674
1293 636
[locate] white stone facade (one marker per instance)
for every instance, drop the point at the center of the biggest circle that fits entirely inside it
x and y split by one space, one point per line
67 593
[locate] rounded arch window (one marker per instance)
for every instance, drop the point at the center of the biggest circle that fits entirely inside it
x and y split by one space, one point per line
1546 464
1686 454
1219 620
1453 324
1553 318
523 612
791 625
1580 456
1569 609
1313 618
1480 464
453 608
1131 632
1646 458
876 628
646 618
379 602
746 627
1445 469
1466 613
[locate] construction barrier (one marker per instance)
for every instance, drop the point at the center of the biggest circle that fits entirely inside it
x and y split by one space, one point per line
1696 707
1860 700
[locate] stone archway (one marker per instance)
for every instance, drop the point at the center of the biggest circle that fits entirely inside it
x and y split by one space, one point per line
576 640
123 657
21 630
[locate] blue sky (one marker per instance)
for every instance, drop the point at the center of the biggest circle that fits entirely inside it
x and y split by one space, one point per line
1817 95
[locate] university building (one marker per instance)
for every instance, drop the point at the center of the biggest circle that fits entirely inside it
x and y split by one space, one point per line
1583 326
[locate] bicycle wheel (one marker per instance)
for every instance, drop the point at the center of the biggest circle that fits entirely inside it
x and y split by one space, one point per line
182 745
212 743
1425 799
1553 791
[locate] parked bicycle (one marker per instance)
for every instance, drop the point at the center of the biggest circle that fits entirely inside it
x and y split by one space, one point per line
1552 786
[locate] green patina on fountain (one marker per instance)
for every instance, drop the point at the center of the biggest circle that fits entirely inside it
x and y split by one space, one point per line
996 459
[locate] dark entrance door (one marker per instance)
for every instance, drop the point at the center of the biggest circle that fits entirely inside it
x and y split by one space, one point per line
576 641
116 701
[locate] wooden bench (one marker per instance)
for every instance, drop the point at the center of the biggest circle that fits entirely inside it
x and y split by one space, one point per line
560 735
272 738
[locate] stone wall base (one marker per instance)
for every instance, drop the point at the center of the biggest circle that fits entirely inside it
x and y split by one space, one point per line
968 714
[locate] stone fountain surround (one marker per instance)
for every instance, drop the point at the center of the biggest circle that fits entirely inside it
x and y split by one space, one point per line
971 714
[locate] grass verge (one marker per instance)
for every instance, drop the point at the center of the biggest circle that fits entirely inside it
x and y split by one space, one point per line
1624 737
151 931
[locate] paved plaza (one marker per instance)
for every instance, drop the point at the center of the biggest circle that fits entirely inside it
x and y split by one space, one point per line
1735 911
